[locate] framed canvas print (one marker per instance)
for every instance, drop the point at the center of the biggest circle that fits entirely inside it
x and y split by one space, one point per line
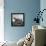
17 19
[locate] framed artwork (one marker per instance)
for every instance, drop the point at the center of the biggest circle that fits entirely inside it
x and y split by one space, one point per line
17 19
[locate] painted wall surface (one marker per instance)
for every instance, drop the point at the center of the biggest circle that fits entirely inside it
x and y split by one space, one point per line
29 7
43 6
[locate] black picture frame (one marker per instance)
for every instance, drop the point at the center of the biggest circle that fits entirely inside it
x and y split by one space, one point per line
17 19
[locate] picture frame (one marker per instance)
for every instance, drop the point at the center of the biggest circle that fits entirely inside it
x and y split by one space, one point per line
17 19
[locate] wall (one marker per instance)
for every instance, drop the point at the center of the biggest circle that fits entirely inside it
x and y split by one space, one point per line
43 6
29 7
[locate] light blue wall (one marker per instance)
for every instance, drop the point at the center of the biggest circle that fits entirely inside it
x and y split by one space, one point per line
43 6
29 7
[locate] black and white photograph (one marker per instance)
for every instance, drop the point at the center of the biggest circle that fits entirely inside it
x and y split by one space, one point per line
17 19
